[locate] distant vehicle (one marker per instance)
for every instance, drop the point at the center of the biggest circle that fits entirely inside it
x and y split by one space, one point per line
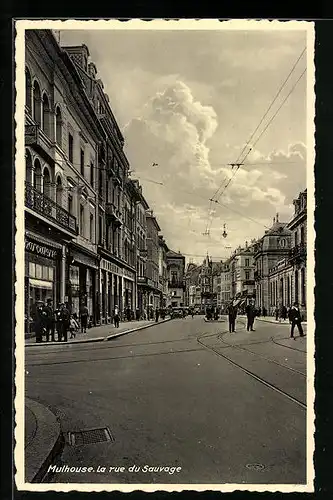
178 312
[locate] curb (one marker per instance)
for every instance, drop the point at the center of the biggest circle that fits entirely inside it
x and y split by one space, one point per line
114 335
97 339
214 320
48 437
278 322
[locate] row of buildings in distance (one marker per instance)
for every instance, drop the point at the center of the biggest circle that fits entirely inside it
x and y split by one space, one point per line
90 236
270 271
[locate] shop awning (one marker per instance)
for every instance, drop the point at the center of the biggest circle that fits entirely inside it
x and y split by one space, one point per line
40 284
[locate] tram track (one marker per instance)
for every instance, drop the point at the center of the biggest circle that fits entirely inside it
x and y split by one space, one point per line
247 371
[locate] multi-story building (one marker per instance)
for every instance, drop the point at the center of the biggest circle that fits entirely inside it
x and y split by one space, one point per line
222 286
268 251
287 278
141 252
242 283
154 287
163 270
62 137
205 282
116 196
176 281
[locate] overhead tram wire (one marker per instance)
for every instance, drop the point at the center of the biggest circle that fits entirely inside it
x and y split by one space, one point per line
238 163
260 135
266 113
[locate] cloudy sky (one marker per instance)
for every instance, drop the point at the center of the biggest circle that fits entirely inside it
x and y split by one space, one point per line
189 101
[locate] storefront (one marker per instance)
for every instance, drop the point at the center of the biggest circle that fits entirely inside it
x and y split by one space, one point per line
117 286
42 274
82 289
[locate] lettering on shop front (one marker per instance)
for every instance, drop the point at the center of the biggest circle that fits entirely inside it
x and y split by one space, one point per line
113 268
40 249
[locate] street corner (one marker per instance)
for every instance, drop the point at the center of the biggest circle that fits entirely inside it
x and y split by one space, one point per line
43 440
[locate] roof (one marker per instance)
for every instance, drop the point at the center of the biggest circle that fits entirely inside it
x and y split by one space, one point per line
173 254
278 228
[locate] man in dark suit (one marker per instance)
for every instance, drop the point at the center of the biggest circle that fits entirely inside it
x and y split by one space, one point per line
49 320
232 314
295 319
250 313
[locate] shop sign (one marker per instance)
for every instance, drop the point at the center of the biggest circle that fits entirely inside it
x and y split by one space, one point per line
30 246
128 274
111 267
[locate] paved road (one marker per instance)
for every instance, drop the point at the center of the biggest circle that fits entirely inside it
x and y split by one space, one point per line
170 401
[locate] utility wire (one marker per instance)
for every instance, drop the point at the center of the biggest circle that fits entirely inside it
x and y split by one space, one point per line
238 163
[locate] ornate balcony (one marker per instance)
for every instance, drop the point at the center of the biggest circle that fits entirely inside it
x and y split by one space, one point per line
34 136
43 205
297 254
249 282
113 213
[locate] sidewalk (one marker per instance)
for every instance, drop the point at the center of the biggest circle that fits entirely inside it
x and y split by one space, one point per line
271 319
101 333
43 440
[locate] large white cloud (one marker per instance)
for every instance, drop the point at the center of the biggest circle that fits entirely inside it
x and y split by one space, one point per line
174 130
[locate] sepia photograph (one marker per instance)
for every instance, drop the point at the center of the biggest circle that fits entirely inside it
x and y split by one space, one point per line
164 255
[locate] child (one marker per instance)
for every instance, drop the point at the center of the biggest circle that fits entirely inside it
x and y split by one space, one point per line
73 327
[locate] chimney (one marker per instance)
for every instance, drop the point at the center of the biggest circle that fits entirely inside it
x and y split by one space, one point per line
277 217
273 221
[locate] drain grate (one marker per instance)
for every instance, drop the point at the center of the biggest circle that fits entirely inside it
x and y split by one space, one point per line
255 466
90 436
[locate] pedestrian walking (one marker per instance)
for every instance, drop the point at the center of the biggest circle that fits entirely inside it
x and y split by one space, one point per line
64 322
232 314
157 314
73 326
84 313
264 311
49 320
38 317
284 313
296 319
116 317
276 312
250 313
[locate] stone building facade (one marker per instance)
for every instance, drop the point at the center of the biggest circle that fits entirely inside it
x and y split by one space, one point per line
176 279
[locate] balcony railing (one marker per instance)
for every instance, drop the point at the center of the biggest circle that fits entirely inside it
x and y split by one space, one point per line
297 253
37 201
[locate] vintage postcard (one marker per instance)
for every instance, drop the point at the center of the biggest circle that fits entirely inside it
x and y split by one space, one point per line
164 255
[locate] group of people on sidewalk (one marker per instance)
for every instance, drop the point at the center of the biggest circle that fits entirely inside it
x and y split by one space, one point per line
49 321
294 316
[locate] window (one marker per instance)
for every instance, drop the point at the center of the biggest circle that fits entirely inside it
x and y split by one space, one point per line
28 90
91 227
70 204
70 147
296 239
37 103
58 126
46 115
247 275
32 269
100 182
82 161
81 219
100 230
92 174
247 262
302 235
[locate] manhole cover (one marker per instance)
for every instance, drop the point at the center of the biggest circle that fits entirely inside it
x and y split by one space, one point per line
255 466
90 436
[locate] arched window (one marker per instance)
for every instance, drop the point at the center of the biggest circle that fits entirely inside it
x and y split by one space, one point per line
28 167
58 134
38 175
28 90
46 114
37 103
296 286
47 182
59 191
303 287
